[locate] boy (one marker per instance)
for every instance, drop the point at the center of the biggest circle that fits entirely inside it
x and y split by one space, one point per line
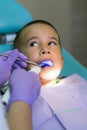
62 103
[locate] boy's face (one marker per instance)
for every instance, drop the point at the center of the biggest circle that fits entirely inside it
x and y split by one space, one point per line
40 42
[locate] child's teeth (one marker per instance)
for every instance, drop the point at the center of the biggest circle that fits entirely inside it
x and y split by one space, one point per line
46 63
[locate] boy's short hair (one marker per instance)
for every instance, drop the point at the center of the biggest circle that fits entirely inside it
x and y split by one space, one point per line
17 41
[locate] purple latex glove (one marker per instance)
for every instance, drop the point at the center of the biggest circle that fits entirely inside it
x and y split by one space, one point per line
16 54
6 64
24 86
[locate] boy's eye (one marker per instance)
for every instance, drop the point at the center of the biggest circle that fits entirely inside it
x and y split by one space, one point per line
33 44
52 43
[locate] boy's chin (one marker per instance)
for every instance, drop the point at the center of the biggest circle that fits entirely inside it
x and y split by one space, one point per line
51 75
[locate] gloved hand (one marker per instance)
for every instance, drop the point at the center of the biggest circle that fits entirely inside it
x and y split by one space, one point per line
24 86
6 64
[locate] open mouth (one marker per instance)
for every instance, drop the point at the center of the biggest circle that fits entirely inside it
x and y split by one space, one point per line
46 63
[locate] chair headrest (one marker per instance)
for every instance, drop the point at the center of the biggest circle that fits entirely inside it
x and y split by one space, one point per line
13 16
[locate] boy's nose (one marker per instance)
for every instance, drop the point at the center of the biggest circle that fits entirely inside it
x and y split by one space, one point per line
45 51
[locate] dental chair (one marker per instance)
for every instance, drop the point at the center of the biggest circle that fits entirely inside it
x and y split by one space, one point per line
13 16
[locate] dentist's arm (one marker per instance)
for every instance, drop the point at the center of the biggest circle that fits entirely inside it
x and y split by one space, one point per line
20 116
24 89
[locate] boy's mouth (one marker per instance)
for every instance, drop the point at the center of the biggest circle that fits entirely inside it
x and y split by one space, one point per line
46 63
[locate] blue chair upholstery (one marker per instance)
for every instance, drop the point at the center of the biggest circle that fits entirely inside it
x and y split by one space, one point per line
13 16
71 66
